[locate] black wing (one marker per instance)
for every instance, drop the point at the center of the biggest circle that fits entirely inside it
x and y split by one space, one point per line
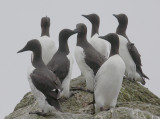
94 59
45 82
136 58
59 65
134 54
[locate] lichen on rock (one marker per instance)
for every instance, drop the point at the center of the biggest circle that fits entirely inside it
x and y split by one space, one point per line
134 102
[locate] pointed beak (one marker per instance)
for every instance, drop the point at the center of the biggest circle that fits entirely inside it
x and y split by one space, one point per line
22 50
115 15
75 30
85 16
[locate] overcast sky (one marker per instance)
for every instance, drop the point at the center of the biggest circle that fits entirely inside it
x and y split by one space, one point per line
20 22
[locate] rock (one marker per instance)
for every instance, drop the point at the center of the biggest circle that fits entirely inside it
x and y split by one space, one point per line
134 102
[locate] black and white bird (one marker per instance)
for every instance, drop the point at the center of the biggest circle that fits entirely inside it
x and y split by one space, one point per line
47 44
61 63
87 57
108 80
45 85
129 52
98 43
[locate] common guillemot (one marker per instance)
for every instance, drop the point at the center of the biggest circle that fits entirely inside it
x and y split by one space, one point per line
129 52
45 85
108 80
88 59
47 44
98 43
61 63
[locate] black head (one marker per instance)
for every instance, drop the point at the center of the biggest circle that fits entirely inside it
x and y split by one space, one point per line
66 33
45 22
32 45
81 29
111 37
114 41
122 18
93 18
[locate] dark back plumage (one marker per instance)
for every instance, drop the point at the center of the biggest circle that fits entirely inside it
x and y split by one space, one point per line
43 79
92 57
121 30
59 63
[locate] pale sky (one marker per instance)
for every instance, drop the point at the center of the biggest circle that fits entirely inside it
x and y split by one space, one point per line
20 22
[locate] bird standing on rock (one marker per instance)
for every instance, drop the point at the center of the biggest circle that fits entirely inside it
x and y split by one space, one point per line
87 57
45 85
61 63
129 52
47 45
108 80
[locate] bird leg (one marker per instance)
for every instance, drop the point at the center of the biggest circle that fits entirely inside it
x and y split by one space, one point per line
39 113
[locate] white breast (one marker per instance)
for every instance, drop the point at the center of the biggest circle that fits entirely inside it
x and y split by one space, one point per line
66 81
108 82
99 44
85 69
39 96
48 48
124 53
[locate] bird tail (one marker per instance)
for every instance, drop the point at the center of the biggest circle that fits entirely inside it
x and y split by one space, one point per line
145 76
139 70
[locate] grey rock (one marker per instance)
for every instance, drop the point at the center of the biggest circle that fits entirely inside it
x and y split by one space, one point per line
134 102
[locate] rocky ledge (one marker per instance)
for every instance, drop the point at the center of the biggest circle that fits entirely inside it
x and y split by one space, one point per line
134 102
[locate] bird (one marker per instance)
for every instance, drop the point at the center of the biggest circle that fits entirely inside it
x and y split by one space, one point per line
87 57
62 62
108 80
98 43
47 44
129 52
45 85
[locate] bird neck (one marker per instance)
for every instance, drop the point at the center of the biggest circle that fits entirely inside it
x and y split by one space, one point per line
121 29
63 45
114 50
45 31
81 38
95 29
37 61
